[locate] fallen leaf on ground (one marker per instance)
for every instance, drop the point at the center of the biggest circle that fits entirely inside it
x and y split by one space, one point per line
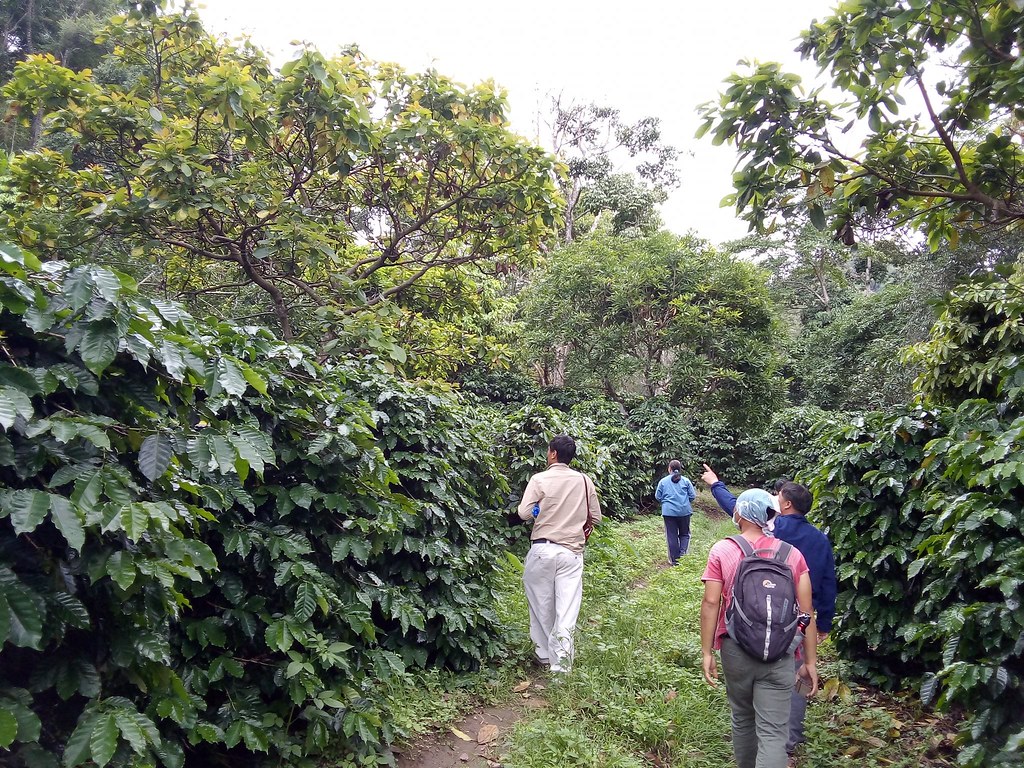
670 696
520 687
460 734
486 734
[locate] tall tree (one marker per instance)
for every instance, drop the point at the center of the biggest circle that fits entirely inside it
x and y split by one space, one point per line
594 142
937 86
64 28
660 315
305 195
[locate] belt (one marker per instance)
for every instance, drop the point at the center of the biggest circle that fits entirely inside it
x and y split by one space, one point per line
545 541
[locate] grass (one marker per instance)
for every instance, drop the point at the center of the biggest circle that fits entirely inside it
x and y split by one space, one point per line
636 697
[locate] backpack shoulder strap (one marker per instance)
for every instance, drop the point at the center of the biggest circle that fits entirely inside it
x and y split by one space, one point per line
743 544
782 553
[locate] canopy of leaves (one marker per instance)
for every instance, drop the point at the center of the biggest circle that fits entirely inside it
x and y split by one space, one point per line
65 28
950 161
302 196
211 545
615 166
849 357
656 315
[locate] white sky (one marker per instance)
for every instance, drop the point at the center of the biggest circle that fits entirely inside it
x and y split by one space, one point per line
645 57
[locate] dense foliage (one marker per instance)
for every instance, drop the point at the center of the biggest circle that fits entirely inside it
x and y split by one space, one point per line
210 545
924 510
948 161
652 316
299 197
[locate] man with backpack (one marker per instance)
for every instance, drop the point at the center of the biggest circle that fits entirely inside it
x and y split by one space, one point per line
794 503
756 606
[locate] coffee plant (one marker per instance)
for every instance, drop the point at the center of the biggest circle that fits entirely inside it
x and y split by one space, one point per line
212 547
615 458
924 509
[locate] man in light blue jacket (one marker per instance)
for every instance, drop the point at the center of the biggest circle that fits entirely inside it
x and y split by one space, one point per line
676 493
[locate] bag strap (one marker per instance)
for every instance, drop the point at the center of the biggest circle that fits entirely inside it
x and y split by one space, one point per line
741 541
782 553
588 526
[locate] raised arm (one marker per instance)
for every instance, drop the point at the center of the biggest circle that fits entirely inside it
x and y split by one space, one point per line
725 499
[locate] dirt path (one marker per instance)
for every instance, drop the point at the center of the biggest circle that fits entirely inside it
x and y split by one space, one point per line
477 740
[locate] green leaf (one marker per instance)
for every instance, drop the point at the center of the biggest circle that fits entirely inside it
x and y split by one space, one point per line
230 377
8 728
121 569
279 636
99 345
260 442
25 613
74 611
78 288
223 453
27 509
68 521
155 456
135 521
305 601
12 254
14 402
256 381
5 618
21 379
103 742
76 751
87 492
131 730
928 689
817 215
107 283
248 453
303 495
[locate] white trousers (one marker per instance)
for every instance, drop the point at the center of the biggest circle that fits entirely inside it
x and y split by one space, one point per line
553 579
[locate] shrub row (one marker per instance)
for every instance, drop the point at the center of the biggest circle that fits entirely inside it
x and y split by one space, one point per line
213 546
924 508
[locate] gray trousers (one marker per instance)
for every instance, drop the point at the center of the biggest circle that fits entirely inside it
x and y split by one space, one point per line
760 696
796 717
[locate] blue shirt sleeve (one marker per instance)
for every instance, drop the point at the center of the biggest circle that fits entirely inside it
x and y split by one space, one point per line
690 490
724 497
825 609
659 494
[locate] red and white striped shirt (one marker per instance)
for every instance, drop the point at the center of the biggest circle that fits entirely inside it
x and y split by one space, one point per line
723 561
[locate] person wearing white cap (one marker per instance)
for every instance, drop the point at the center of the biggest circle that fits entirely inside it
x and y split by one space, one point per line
759 692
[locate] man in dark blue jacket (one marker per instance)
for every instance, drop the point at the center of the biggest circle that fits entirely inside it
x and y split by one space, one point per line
791 526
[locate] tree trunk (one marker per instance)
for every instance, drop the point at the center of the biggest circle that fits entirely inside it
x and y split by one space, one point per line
30 48
570 209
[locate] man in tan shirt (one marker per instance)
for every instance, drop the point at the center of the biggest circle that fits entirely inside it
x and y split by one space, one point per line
553 572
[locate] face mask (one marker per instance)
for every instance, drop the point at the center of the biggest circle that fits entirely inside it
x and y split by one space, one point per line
736 521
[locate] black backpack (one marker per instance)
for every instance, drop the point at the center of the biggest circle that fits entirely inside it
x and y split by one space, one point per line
763 615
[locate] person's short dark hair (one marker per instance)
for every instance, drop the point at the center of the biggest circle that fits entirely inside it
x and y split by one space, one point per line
564 447
798 495
676 468
778 484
